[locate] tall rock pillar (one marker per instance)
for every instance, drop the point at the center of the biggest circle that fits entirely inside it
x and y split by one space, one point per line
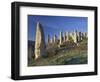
48 39
40 47
55 38
61 37
75 38
67 36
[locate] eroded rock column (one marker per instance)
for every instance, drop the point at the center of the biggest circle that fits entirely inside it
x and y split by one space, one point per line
75 37
40 47
55 38
61 37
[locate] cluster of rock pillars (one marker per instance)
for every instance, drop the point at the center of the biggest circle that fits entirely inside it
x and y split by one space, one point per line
40 45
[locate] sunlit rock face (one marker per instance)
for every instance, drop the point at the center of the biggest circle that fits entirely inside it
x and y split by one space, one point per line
61 37
40 46
55 38
75 37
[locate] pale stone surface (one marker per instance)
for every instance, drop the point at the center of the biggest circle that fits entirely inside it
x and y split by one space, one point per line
85 35
61 37
71 34
75 38
67 36
55 38
82 36
51 40
40 47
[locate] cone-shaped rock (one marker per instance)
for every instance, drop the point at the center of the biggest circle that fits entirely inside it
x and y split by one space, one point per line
40 47
61 37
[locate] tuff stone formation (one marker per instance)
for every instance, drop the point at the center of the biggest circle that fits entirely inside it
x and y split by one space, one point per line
40 45
48 39
75 37
65 37
40 42
52 40
55 38
61 37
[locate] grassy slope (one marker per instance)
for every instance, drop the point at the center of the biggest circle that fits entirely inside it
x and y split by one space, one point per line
64 55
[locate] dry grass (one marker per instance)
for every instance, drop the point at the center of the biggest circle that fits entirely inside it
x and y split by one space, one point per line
69 54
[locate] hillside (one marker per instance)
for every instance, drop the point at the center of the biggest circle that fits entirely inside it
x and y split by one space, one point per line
69 53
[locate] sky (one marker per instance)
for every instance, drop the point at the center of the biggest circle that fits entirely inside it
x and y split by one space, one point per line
54 24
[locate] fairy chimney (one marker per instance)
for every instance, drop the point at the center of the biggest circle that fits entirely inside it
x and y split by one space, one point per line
48 39
55 38
61 37
75 38
65 37
40 46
